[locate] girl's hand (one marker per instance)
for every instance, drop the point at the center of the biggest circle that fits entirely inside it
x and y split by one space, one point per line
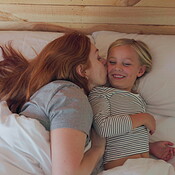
150 123
144 119
162 150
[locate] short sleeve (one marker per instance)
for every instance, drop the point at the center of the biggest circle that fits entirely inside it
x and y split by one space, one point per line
70 108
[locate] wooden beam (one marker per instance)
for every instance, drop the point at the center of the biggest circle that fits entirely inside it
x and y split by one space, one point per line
88 28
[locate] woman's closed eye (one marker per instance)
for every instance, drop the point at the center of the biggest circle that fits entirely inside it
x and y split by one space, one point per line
111 62
99 58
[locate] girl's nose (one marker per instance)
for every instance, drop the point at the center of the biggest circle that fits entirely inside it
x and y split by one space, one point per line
118 68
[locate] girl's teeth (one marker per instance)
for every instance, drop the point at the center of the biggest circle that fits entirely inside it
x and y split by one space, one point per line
118 76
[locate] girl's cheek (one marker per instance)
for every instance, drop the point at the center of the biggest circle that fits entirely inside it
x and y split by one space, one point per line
109 68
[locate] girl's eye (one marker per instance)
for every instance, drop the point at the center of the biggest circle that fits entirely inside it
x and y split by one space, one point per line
126 64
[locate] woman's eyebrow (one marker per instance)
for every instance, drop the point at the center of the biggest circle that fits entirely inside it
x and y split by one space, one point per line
112 57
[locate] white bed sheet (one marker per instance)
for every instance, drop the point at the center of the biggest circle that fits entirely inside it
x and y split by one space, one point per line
142 166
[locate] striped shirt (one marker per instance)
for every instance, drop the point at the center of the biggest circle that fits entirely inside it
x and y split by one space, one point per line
112 108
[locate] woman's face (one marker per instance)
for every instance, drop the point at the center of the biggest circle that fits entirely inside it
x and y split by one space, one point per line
123 67
96 74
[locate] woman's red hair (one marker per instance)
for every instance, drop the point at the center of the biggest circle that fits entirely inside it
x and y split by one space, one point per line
20 79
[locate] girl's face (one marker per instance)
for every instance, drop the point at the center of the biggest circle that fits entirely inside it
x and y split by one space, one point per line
96 73
123 67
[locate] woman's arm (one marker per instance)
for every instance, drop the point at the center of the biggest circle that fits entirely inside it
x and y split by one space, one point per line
68 157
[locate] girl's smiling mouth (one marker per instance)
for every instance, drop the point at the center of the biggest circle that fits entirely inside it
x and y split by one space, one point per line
118 76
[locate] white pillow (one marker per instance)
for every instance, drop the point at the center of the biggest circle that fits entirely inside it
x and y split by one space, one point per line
28 42
157 87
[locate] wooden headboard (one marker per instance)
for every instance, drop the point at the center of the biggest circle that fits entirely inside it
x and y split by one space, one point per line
130 16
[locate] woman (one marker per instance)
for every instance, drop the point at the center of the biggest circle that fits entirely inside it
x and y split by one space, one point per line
52 88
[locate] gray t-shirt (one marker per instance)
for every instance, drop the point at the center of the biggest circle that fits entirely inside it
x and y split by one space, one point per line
60 104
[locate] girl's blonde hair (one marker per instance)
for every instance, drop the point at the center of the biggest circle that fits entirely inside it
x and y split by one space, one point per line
141 49
20 79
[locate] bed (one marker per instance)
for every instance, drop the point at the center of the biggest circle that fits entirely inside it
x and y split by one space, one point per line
30 26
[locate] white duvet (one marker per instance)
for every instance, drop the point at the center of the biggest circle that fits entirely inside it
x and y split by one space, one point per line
25 149
24 145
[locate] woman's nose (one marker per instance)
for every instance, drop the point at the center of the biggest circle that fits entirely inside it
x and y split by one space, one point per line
103 61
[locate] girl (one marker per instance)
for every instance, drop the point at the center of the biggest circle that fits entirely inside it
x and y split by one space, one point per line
127 61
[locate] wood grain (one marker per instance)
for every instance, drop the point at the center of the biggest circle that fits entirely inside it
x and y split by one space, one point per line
143 16
87 14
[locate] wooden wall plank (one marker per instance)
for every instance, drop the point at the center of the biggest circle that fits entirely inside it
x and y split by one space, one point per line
156 3
143 16
87 14
143 3
66 2
130 15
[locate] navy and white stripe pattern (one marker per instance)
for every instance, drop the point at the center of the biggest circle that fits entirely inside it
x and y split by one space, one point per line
111 109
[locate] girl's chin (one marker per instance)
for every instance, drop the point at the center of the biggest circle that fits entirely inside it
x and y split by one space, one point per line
115 86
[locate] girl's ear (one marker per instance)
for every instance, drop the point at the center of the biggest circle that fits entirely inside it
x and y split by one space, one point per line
141 71
80 70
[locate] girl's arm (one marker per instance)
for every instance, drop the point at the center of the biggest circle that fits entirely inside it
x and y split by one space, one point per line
67 151
109 126
144 119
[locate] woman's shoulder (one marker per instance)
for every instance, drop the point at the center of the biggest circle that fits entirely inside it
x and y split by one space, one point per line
60 84
58 89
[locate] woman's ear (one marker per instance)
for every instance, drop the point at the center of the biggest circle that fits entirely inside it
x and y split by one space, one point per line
80 70
141 71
